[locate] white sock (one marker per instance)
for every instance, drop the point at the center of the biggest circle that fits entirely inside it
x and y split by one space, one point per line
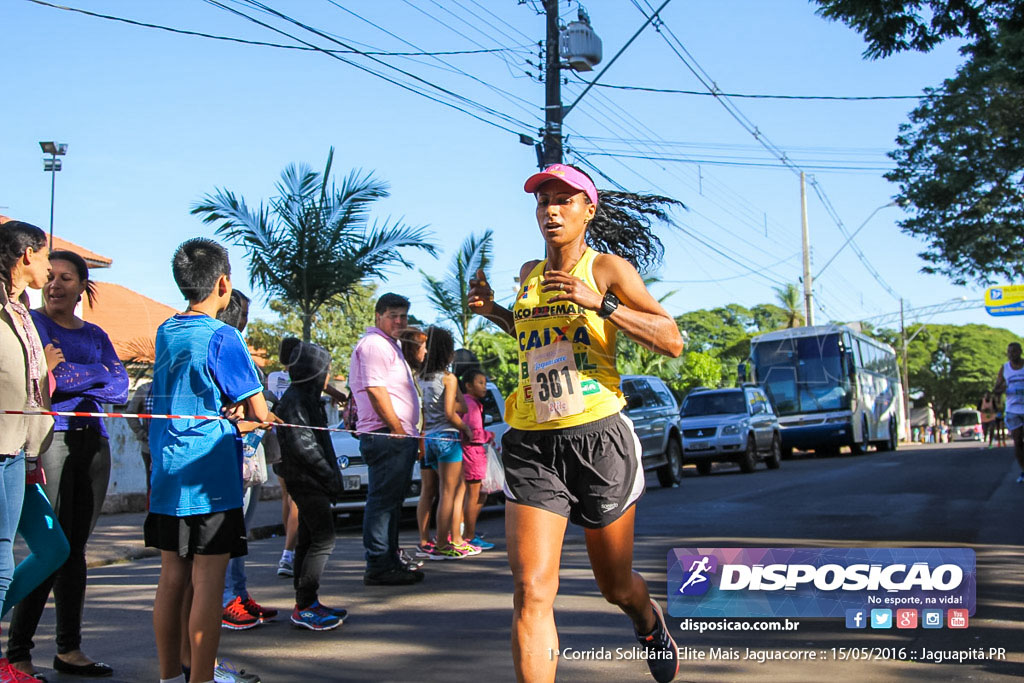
288 555
180 678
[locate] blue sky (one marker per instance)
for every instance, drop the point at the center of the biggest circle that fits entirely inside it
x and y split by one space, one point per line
154 120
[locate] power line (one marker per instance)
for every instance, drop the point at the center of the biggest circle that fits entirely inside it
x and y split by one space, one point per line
260 43
759 96
403 85
720 162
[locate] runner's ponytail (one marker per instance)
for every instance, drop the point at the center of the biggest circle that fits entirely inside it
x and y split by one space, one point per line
622 226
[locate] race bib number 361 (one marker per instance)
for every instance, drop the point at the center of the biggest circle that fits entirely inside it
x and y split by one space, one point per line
556 382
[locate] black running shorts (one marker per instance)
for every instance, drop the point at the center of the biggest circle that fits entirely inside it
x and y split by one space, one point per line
589 473
216 533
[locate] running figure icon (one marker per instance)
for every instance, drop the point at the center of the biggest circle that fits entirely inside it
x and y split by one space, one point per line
696 570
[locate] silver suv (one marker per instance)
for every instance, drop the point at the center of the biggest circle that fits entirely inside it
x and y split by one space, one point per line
653 411
729 425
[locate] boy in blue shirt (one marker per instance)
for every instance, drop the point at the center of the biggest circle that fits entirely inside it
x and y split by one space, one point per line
195 518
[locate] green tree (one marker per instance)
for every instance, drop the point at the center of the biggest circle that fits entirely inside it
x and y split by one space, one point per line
336 326
952 365
450 294
498 354
960 158
314 242
792 303
699 370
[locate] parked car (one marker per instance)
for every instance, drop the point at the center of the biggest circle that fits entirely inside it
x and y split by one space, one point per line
730 425
966 425
353 467
653 411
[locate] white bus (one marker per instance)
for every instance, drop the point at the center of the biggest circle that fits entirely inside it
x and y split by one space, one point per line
831 387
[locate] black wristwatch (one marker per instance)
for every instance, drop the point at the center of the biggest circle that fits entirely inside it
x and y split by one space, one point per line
608 305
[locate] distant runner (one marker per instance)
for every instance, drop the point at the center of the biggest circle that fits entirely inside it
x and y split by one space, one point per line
1011 381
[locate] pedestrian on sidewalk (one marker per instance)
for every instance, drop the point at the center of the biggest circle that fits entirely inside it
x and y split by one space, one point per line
278 382
310 468
24 385
241 611
87 373
203 367
1010 381
569 453
388 409
987 408
474 452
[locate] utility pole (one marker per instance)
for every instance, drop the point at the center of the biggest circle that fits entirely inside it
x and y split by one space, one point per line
552 143
808 284
906 376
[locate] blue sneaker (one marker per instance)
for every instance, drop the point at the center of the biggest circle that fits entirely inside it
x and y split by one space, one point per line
336 611
316 617
481 543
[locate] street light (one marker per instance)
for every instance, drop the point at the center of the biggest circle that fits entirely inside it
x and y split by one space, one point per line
895 202
52 165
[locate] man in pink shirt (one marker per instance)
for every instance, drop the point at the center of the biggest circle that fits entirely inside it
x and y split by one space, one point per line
389 411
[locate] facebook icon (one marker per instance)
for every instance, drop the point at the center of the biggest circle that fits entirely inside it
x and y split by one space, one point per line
856 618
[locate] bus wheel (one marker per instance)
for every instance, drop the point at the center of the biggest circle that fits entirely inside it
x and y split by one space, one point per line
892 442
862 446
749 457
775 459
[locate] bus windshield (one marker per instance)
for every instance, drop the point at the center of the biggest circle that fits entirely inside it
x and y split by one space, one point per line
803 374
714 403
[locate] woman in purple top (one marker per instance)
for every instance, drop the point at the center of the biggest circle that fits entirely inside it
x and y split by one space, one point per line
87 373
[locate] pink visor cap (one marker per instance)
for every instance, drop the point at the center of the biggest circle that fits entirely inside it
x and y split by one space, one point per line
566 174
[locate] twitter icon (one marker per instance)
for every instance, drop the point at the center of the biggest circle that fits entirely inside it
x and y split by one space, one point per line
881 618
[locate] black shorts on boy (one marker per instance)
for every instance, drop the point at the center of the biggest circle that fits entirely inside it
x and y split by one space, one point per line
214 533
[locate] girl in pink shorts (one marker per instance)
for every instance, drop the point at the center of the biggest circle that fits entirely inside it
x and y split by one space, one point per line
474 454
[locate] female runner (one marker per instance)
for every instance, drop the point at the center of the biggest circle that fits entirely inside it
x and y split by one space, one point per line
570 454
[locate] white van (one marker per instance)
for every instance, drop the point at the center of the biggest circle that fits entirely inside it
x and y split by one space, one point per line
966 425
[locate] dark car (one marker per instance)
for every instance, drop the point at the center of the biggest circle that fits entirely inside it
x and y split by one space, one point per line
654 412
730 425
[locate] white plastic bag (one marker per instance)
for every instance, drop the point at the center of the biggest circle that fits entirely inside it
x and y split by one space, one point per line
254 461
494 479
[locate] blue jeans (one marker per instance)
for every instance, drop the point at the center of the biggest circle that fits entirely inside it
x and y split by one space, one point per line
27 509
234 580
389 464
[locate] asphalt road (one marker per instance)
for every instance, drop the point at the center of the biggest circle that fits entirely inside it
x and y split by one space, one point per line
454 626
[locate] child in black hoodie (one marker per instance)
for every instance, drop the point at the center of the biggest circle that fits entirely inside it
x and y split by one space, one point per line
310 471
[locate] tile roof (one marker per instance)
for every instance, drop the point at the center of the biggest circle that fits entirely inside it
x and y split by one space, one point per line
129 319
92 259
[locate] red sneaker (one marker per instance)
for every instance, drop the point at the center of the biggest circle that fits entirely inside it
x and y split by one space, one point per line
8 674
237 618
259 611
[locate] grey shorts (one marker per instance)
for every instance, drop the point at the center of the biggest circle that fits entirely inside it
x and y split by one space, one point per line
590 473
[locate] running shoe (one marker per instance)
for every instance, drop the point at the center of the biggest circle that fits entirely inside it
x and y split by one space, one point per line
285 568
452 552
408 561
661 651
481 543
237 618
398 576
316 617
469 548
224 672
8 674
336 611
423 549
259 611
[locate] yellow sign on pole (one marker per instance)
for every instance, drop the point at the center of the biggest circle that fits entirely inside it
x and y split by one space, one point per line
1005 300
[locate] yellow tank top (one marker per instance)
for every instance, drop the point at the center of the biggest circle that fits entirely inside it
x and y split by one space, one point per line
593 340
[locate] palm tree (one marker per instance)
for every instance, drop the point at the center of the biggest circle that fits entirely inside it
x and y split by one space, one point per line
450 295
314 242
791 300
